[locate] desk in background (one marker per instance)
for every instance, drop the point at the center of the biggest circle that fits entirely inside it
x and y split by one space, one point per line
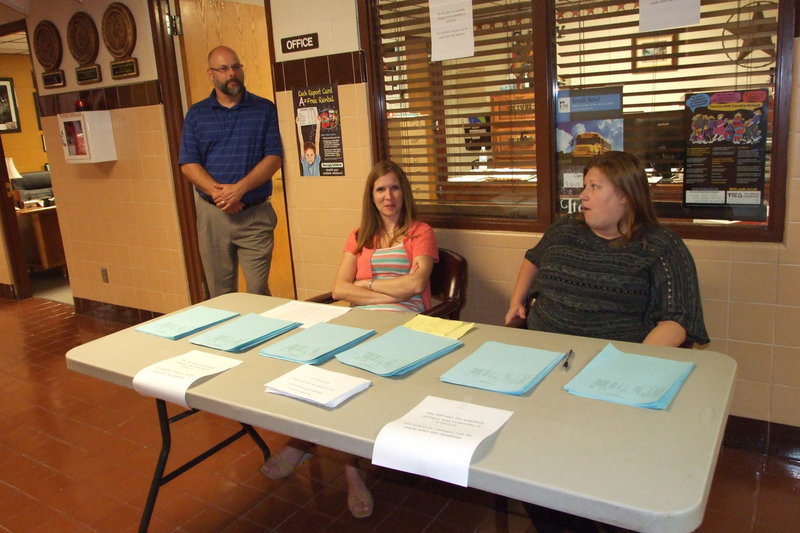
41 237
637 468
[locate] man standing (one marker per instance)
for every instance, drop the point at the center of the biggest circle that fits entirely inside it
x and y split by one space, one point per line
230 149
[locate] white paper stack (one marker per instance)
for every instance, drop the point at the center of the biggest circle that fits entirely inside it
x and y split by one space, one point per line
317 385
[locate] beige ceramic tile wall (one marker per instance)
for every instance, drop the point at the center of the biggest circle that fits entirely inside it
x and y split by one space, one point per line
751 292
122 216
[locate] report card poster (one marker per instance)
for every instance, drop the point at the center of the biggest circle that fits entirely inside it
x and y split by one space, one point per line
726 151
319 130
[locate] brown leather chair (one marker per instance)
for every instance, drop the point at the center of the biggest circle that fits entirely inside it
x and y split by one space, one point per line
520 323
448 286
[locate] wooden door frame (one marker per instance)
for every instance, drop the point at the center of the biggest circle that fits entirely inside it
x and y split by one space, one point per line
169 83
16 256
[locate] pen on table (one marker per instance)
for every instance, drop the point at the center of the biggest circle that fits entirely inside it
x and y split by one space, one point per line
567 356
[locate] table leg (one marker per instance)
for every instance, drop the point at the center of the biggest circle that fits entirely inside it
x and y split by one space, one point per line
159 479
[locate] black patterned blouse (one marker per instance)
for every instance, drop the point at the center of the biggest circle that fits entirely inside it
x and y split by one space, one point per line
592 287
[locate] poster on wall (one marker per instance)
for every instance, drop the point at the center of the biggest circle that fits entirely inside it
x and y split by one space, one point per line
726 151
319 131
588 123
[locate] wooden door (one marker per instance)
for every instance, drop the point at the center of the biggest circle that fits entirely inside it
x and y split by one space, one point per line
243 27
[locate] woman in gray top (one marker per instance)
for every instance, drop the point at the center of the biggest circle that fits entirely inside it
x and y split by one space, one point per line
612 271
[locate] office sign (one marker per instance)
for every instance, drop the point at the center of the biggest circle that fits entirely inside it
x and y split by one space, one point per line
299 43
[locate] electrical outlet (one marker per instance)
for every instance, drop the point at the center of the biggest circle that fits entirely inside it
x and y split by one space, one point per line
104 274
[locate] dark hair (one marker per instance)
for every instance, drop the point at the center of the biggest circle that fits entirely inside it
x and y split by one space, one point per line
371 222
309 146
627 174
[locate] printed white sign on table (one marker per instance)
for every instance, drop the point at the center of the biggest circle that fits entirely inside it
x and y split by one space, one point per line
307 313
171 378
317 385
437 438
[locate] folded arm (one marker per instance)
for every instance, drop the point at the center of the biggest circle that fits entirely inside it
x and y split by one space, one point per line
392 290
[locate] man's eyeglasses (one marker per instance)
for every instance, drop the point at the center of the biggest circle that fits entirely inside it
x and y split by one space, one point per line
238 67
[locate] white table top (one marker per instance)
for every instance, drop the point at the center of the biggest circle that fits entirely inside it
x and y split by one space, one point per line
641 469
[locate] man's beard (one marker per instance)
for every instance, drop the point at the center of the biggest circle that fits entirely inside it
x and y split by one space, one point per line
232 90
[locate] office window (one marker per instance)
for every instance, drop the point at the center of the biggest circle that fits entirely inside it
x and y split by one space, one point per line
479 138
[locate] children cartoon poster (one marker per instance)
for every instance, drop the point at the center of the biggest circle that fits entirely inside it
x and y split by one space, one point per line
589 122
726 151
319 131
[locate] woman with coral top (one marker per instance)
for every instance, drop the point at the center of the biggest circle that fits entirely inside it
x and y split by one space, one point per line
386 265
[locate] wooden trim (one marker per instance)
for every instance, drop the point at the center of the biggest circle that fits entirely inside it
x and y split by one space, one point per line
169 83
114 312
273 62
545 86
19 270
377 113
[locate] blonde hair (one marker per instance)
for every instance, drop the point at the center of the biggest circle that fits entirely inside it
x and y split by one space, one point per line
371 222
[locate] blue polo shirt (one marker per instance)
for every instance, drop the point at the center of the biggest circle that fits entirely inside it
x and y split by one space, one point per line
229 142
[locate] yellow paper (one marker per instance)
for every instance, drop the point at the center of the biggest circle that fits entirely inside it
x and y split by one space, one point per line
452 329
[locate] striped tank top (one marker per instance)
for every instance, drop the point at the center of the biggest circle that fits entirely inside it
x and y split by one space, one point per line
390 263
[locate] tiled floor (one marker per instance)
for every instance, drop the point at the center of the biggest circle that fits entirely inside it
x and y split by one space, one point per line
76 454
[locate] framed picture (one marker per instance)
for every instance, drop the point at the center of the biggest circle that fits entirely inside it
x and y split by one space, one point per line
9 115
656 52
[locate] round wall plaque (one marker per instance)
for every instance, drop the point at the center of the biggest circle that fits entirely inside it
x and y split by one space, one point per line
119 30
82 38
47 45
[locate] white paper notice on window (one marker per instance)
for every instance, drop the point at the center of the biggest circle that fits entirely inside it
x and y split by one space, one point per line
452 35
437 438
171 378
663 14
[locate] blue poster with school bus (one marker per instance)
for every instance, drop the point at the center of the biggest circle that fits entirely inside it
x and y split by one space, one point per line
588 123
726 134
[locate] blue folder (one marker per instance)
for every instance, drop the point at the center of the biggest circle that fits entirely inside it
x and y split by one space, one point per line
398 351
317 344
187 322
630 379
505 368
243 333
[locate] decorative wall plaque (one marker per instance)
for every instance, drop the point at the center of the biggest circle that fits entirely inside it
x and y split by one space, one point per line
119 36
84 43
48 50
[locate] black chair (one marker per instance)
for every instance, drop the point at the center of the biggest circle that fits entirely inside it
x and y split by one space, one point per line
520 323
448 286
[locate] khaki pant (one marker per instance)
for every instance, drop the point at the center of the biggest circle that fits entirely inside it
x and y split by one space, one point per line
227 241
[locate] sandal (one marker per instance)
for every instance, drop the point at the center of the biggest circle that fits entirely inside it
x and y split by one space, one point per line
277 467
360 501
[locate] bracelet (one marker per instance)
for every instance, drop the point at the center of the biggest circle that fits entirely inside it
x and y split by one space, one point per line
369 286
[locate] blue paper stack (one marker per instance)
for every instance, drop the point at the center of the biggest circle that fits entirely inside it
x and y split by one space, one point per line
317 344
244 333
630 379
185 323
505 368
398 351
